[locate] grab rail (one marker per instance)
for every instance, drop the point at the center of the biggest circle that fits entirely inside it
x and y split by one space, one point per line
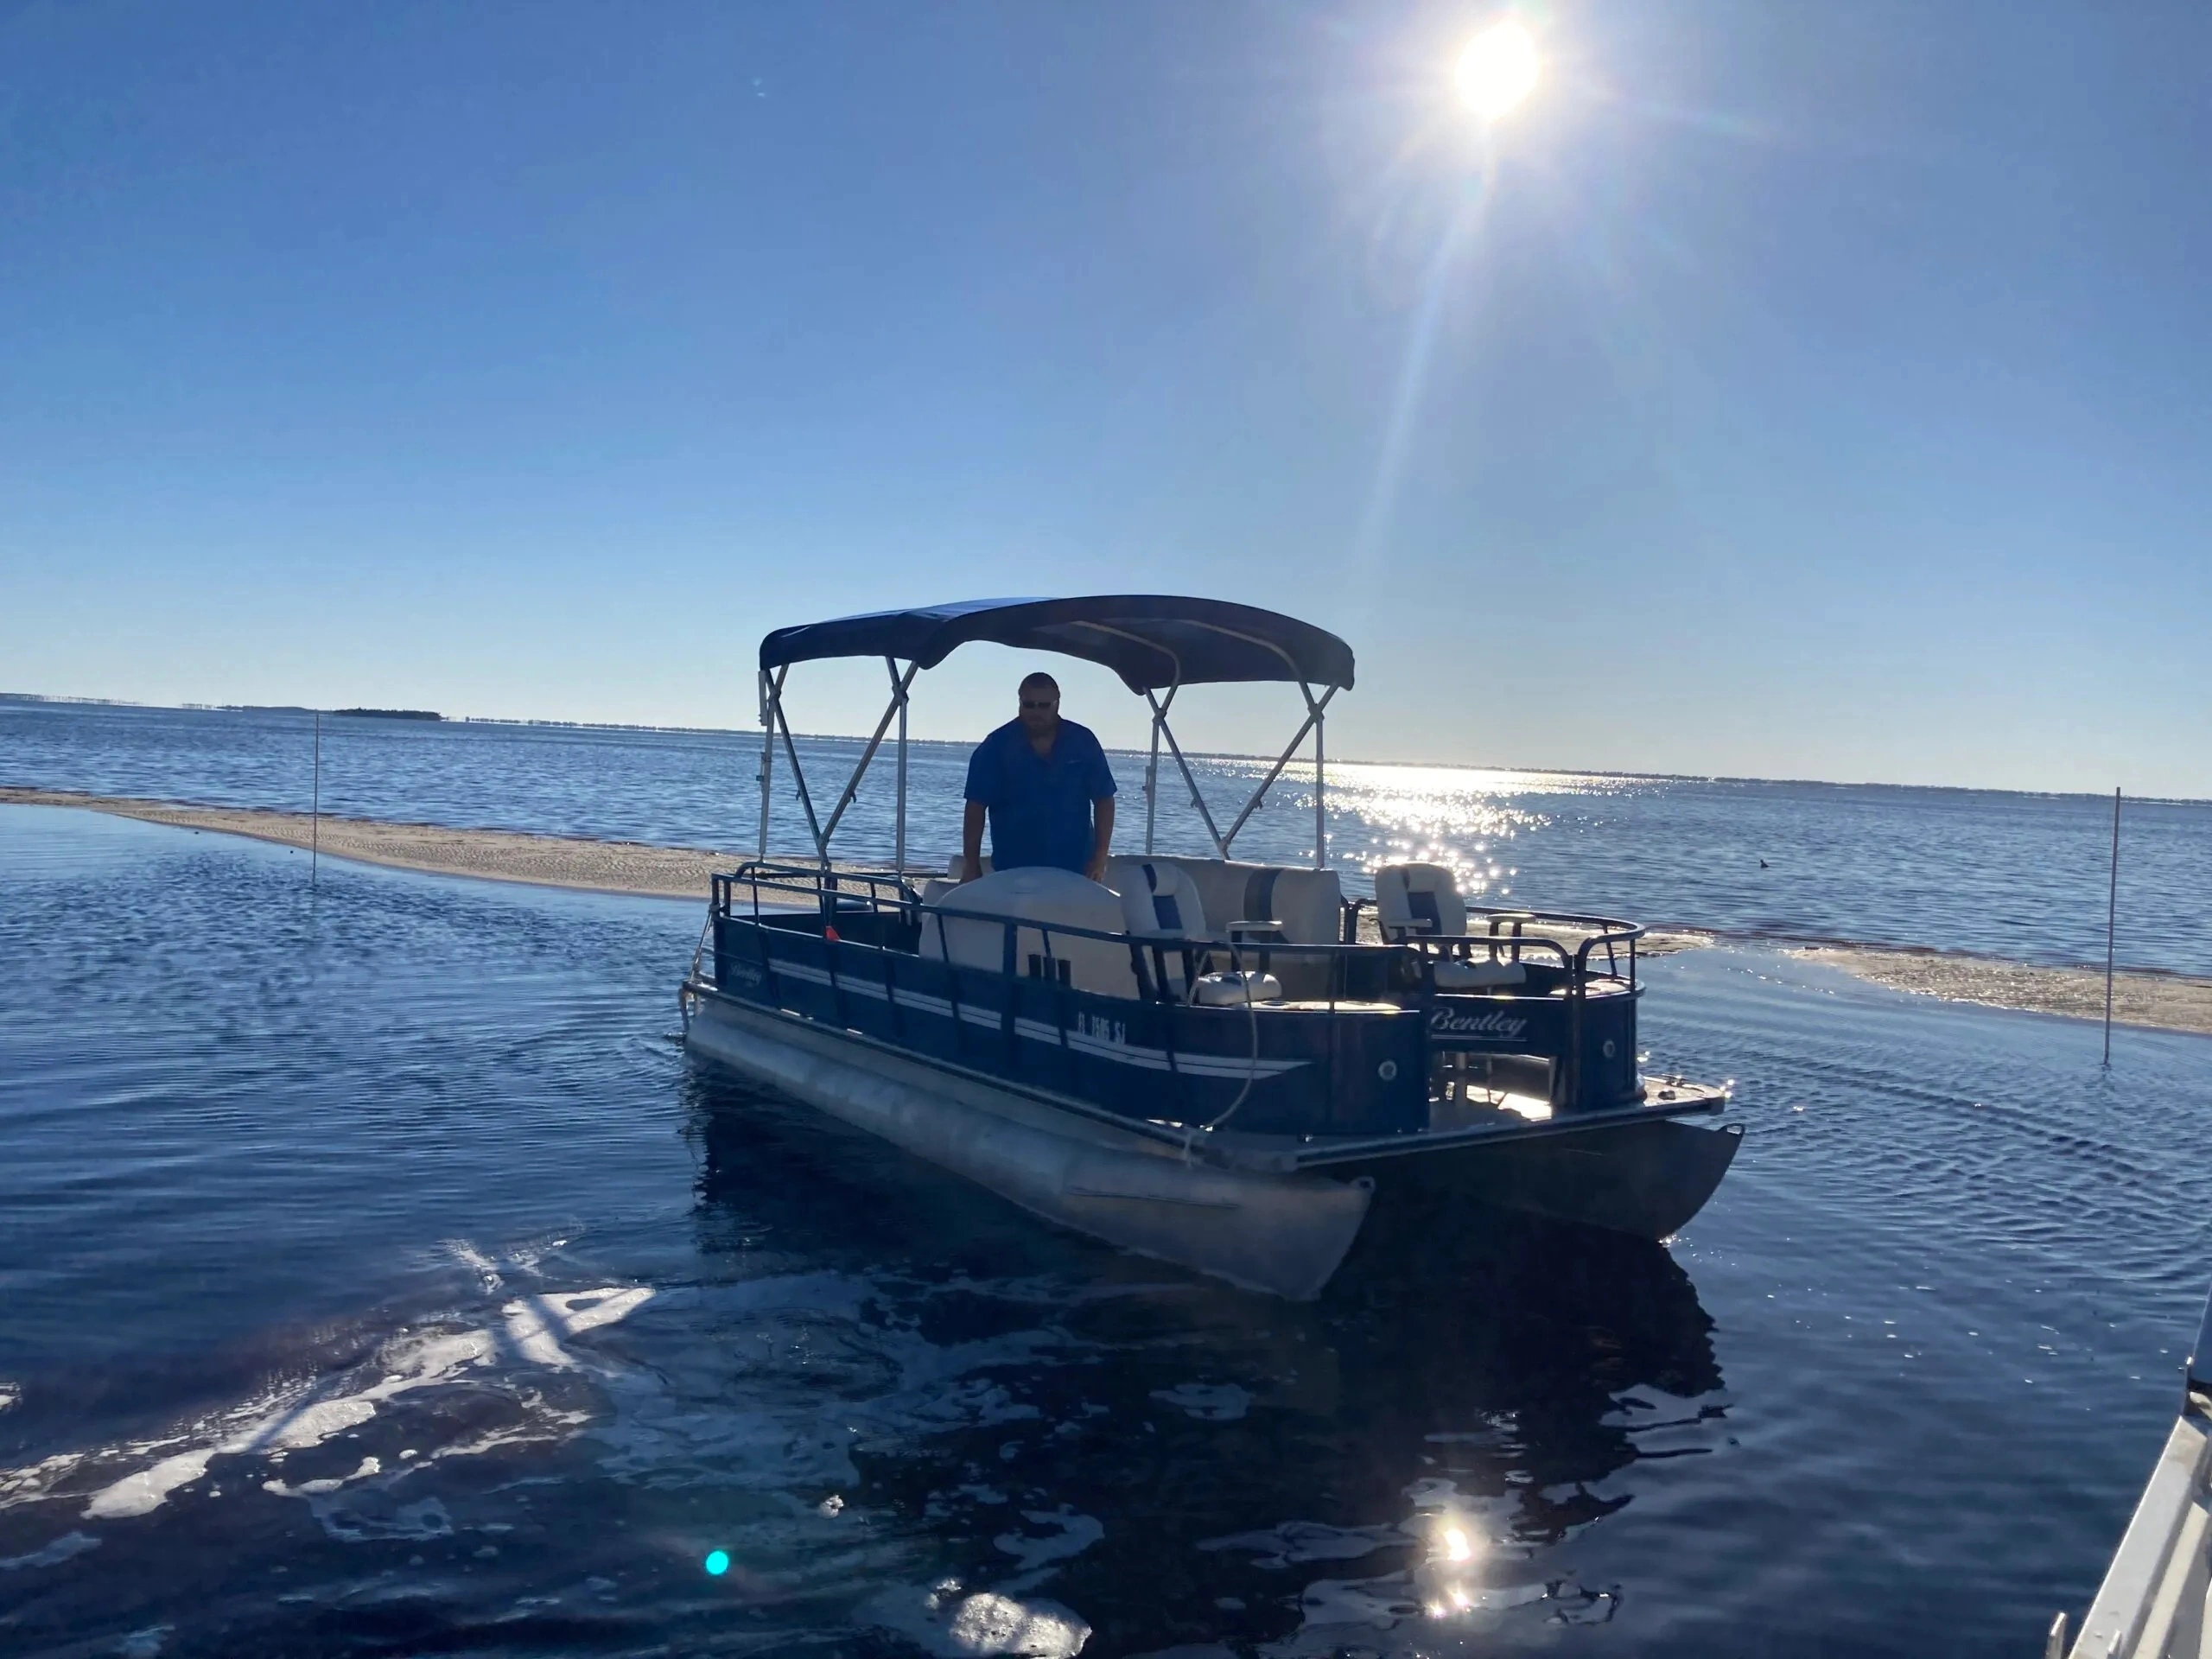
825 892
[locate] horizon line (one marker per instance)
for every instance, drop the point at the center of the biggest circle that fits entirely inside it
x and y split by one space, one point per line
1209 755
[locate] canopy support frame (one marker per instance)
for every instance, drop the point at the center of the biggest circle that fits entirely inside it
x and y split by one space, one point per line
898 832
1198 799
771 691
1314 716
776 723
1152 772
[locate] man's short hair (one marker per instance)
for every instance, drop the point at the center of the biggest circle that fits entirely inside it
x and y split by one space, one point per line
1040 678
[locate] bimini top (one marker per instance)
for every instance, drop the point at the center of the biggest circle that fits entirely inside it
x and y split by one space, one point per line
1152 641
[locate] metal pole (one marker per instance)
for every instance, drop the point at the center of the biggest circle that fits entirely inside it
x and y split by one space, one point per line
1321 816
2111 924
1190 779
769 690
314 820
899 836
1151 787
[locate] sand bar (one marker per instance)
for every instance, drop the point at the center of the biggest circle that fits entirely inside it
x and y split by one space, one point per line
2153 1002
626 867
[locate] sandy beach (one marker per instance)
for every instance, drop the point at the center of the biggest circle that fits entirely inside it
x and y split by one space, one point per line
2153 1001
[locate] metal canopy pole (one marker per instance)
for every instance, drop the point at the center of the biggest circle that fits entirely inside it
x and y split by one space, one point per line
1152 772
899 831
1320 814
1176 749
798 773
771 691
891 710
1312 724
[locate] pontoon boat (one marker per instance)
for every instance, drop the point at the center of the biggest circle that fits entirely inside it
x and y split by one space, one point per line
1224 1063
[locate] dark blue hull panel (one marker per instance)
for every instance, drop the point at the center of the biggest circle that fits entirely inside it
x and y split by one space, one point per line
1350 1069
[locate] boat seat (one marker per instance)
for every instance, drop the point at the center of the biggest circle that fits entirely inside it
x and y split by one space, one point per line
1035 893
1233 990
1158 898
1417 900
1161 901
938 886
1308 903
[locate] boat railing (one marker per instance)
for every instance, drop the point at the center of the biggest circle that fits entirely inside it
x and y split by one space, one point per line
1414 961
1509 927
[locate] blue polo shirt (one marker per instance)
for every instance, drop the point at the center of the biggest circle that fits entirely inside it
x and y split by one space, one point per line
1039 807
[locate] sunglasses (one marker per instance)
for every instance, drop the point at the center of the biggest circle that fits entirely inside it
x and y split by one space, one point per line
1031 702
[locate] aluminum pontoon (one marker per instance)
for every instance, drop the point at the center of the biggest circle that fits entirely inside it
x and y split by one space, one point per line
1224 1063
2156 1599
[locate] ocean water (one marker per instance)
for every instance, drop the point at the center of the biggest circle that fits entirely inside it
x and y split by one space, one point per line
379 1277
1999 874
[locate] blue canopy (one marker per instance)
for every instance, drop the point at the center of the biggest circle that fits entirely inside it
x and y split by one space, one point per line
1151 640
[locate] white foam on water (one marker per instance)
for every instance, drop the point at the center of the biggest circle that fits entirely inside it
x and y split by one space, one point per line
144 1644
300 1418
486 1270
945 1622
144 1492
8 1394
316 1488
68 1544
537 1324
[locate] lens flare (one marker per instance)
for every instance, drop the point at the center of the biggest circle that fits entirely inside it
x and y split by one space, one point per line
1497 70
717 1563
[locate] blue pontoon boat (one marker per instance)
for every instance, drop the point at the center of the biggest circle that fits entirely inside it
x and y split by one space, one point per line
1224 1064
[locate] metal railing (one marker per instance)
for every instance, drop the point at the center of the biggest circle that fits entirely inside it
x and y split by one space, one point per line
1414 960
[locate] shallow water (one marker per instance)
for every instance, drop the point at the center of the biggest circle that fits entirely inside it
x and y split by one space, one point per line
380 1278
1999 874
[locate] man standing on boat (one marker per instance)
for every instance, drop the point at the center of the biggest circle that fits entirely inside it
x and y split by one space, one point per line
1046 789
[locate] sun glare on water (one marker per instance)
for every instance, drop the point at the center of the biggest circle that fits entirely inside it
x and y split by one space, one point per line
1497 70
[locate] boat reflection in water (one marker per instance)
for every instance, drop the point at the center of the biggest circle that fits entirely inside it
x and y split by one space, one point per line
1172 1461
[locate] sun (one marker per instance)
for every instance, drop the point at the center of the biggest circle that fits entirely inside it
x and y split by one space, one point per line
1497 70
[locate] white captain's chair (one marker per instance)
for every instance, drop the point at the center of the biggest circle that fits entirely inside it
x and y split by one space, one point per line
1161 901
1417 901
1414 901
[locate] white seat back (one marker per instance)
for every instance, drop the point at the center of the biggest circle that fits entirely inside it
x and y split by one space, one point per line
1033 893
1413 900
1158 898
1308 903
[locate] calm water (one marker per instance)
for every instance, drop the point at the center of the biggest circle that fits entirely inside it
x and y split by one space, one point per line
2020 876
379 1278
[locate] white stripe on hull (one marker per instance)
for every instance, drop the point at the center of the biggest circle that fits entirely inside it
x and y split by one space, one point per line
1150 1060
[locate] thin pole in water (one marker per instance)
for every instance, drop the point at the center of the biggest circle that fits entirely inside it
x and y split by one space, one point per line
2111 924
314 821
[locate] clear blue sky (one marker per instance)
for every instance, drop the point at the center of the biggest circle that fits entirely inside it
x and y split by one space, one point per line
1787 388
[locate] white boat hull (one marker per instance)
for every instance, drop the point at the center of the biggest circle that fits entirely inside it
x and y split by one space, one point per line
1283 1234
